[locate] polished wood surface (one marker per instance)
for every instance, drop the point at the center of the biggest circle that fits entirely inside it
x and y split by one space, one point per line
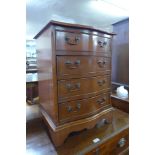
72 41
47 74
84 87
101 44
38 142
82 66
77 26
60 133
81 42
112 146
72 110
60 84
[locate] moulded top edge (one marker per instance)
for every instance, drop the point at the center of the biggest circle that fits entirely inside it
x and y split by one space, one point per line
57 23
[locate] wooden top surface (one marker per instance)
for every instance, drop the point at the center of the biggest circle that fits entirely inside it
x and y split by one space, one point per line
82 142
57 23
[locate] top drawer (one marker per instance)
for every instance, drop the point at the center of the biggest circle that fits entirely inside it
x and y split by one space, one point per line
71 41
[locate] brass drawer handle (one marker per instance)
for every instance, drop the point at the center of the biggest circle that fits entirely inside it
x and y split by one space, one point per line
101 63
73 87
102 43
101 82
78 85
69 109
72 65
78 106
72 40
101 101
122 142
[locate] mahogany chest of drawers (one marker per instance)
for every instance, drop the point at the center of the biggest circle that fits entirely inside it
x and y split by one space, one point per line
74 74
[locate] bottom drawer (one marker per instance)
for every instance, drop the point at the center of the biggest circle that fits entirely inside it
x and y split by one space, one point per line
72 110
114 146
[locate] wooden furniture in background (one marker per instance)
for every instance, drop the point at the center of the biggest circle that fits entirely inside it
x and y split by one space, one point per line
113 139
74 73
32 88
120 103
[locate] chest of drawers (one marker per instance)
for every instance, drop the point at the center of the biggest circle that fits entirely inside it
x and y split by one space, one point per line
74 74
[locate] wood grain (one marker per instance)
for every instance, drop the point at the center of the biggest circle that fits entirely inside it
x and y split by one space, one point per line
82 66
73 110
72 89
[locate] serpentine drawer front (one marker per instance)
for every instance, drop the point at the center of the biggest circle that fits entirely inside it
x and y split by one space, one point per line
72 110
79 88
82 42
101 44
78 66
72 41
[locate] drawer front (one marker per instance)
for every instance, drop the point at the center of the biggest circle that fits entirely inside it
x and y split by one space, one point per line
119 143
101 44
72 110
78 66
113 146
67 41
72 41
83 87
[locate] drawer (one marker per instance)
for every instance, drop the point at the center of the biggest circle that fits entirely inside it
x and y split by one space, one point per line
114 146
101 44
119 143
81 66
84 87
72 110
81 42
72 41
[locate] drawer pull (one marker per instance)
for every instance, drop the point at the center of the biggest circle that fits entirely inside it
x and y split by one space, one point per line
102 43
68 62
72 65
69 108
72 87
78 105
101 101
68 86
122 142
72 40
100 82
101 63
77 85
